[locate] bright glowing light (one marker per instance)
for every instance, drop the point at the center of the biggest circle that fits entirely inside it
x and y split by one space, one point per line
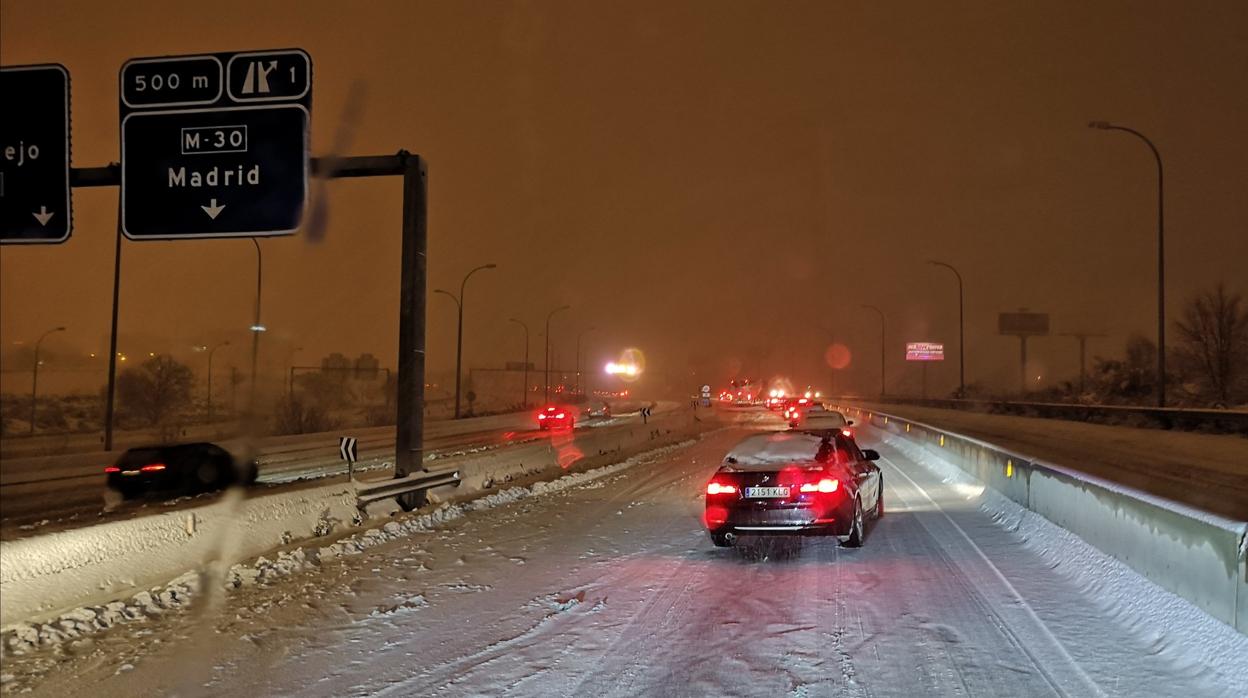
717 488
807 394
258 328
614 369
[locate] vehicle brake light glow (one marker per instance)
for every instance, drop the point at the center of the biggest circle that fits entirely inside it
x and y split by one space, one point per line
541 416
826 485
559 416
152 467
112 469
847 432
719 488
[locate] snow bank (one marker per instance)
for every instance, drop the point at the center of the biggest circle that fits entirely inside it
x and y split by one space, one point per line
81 622
1194 554
1187 630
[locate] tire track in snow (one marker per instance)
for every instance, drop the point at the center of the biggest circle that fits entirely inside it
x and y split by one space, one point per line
1060 687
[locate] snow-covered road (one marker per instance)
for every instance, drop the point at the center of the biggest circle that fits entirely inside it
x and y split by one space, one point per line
612 588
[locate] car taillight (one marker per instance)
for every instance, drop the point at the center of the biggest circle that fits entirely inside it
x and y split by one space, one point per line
112 469
559 416
541 416
826 485
720 488
152 467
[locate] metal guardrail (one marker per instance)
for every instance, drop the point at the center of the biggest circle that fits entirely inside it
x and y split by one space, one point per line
1220 421
1197 555
370 492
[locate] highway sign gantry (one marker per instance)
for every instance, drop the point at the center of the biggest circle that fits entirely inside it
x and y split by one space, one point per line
215 145
35 201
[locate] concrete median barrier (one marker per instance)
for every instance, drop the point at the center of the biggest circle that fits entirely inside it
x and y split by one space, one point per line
41 576
1194 554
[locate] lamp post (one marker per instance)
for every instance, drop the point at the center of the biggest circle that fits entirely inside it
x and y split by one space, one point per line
546 396
256 327
1161 256
578 356
210 353
459 334
882 336
524 402
34 378
961 329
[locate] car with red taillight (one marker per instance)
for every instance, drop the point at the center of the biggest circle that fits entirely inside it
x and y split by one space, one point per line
795 483
177 469
556 417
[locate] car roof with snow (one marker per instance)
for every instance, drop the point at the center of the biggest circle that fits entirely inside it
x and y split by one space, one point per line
775 448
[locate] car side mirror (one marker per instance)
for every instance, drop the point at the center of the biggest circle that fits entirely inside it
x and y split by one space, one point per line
849 422
870 454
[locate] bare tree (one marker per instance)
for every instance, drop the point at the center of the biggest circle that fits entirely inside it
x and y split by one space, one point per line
1213 335
156 390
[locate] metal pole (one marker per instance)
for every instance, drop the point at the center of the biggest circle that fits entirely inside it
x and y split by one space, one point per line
524 402
882 350
459 334
578 357
961 329
409 436
109 397
210 353
546 397
1161 256
1022 365
256 329
34 379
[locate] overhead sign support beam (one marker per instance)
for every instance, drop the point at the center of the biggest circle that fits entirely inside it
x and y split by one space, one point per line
411 379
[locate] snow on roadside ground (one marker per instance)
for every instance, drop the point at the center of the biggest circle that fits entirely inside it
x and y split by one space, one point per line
76 626
1180 629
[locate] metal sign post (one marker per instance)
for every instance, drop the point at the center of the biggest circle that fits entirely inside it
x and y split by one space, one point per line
409 457
35 202
1023 325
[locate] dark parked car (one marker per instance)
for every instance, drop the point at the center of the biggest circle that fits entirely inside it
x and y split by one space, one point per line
795 483
177 469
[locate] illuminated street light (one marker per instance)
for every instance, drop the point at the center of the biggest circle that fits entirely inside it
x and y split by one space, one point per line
1161 256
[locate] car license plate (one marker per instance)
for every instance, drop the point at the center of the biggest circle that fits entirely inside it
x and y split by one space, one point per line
758 492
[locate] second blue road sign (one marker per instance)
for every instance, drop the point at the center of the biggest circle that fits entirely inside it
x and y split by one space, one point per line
215 145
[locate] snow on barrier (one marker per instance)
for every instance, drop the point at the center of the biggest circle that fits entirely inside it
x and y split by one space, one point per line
42 576
1194 554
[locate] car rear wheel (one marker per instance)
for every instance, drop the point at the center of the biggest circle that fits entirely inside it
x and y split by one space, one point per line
722 540
854 540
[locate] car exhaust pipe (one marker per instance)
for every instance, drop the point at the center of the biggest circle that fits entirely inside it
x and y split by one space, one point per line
731 538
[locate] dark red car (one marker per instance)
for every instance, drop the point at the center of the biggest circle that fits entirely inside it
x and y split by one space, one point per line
556 417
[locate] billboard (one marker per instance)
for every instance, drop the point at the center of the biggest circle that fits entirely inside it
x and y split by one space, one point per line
925 351
1023 323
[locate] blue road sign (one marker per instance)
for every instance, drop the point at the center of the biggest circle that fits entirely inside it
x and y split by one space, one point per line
215 145
35 202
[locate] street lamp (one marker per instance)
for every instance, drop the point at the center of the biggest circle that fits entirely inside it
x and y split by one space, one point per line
34 379
881 314
459 334
548 317
1161 257
210 353
961 329
256 327
578 356
525 398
